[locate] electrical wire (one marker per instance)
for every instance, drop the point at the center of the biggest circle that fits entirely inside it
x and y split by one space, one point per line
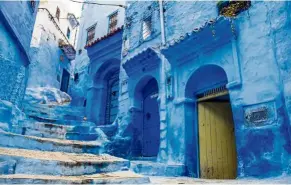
119 5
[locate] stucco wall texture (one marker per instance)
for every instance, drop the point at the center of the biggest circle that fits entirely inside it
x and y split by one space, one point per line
91 15
248 53
17 22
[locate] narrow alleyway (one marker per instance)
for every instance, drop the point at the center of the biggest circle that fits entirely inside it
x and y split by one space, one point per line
55 145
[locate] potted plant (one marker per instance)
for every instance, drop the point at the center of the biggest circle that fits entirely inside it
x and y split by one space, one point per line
232 8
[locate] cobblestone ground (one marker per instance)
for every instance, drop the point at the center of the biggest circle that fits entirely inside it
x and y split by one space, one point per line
187 180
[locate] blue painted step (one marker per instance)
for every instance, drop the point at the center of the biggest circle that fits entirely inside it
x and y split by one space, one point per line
153 168
121 177
82 137
51 130
59 163
13 140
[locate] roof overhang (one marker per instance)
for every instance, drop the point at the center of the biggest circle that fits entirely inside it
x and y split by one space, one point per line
108 47
145 60
205 39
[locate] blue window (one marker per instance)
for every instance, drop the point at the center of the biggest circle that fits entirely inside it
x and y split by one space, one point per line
68 33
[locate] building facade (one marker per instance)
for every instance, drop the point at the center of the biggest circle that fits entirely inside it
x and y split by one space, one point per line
203 86
94 24
52 45
17 21
221 78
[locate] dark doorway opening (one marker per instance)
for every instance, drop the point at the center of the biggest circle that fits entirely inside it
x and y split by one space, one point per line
65 81
151 120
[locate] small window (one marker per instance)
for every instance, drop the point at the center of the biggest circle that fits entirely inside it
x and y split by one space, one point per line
68 33
113 21
146 28
80 51
58 12
58 78
91 34
85 103
76 77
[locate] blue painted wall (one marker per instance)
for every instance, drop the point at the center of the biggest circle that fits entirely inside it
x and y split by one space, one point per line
91 15
104 61
252 51
17 20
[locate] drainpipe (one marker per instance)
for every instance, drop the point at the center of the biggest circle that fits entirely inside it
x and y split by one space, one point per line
162 22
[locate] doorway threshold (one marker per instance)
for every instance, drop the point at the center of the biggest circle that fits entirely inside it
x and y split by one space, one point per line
153 168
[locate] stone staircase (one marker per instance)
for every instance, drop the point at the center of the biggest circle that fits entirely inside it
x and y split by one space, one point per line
56 145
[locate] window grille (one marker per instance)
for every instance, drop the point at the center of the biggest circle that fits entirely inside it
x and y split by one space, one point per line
58 12
113 22
91 34
111 108
212 93
146 28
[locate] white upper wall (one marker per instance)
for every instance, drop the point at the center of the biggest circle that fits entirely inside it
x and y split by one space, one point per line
43 22
99 15
92 14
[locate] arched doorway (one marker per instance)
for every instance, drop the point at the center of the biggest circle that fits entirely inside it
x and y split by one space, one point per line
151 120
102 98
147 121
213 124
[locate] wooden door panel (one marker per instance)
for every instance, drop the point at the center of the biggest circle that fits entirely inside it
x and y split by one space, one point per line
216 141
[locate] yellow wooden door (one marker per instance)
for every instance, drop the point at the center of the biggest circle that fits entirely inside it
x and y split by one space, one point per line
216 141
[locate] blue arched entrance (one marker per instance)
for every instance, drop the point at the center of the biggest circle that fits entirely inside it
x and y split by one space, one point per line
151 120
211 150
146 140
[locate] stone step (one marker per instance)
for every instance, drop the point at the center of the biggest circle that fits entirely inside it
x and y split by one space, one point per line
13 140
82 137
75 117
54 112
54 109
51 130
58 163
121 177
153 168
45 119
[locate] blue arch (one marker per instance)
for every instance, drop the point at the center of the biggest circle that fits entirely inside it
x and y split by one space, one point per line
204 78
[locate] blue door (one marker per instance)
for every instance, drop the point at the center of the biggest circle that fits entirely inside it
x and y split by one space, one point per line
151 120
65 81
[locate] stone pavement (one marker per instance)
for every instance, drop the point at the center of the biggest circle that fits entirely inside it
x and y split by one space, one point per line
188 180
